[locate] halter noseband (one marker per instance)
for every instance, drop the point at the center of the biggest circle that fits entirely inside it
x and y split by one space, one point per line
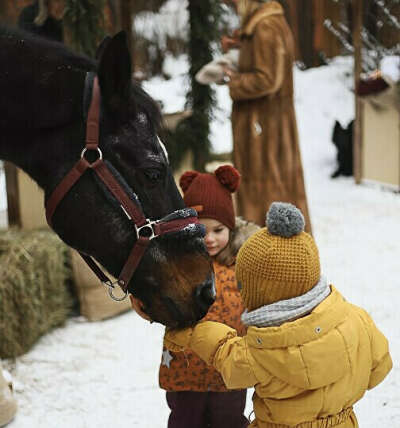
146 230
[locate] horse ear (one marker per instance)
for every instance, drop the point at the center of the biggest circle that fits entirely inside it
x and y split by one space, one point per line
186 179
228 176
103 44
114 72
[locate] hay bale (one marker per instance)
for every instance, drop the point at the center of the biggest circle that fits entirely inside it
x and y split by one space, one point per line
34 291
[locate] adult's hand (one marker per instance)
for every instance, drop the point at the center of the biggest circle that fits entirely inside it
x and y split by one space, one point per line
227 43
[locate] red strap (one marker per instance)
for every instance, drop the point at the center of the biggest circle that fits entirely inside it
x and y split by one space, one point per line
63 188
92 142
174 225
132 263
96 270
92 124
115 188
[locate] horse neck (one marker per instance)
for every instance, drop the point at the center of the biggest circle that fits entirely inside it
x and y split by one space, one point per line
42 86
41 82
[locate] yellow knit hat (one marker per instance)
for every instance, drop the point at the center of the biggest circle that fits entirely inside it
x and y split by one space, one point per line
278 262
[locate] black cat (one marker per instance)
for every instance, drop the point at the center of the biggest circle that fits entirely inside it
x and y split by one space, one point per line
342 138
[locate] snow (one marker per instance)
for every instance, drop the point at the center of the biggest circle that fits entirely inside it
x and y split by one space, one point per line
390 67
171 21
104 374
171 93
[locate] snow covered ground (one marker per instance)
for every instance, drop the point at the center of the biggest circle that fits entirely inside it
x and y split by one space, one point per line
104 374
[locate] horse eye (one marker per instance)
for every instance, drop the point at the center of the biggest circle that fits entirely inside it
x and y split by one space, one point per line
153 174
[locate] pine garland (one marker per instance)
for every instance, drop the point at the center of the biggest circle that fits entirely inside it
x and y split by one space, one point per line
86 23
193 133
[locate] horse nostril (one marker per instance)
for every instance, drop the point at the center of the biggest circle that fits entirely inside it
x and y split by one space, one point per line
205 293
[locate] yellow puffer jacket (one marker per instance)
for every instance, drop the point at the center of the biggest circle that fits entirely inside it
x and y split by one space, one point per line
307 373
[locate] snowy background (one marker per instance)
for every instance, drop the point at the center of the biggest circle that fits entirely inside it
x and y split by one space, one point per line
105 374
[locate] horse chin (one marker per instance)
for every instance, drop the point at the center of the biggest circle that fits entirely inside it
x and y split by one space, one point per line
168 321
172 314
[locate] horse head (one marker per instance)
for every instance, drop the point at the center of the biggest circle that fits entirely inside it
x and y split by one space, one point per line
173 281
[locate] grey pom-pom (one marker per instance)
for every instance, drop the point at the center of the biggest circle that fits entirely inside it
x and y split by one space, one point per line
284 220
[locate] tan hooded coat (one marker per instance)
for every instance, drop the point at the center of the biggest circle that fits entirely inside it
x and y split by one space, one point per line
266 150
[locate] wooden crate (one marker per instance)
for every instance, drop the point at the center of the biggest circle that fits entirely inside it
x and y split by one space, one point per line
380 155
25 199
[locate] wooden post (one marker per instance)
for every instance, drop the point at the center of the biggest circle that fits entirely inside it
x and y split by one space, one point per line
12 189
357 132
305 32
114 18
125 14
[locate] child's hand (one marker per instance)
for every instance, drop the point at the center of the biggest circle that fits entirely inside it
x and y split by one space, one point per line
177 340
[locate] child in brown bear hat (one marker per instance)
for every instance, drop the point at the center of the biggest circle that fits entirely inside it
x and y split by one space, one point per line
196 393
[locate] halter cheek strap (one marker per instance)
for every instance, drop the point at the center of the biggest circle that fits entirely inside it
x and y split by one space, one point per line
146 230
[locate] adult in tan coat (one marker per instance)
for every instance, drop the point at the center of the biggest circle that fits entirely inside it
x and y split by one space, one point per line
309 353
266 149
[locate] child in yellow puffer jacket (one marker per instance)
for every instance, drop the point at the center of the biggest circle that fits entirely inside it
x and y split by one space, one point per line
309 354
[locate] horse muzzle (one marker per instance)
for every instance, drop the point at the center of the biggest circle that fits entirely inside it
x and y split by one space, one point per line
205 295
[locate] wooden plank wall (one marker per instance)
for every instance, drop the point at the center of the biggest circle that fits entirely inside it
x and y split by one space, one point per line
306 19
10 9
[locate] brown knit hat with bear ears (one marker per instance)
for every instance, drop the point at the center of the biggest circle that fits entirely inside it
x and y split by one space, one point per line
210 194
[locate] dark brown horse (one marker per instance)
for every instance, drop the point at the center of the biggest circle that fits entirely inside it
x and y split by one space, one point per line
45 96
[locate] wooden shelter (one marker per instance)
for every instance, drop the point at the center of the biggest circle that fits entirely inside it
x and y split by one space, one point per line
376 138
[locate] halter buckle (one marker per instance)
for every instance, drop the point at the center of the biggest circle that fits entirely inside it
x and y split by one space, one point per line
148 226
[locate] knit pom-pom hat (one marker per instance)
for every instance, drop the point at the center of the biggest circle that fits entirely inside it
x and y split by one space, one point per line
278 262
211 194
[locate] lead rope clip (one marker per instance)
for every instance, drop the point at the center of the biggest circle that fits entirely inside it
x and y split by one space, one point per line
111 287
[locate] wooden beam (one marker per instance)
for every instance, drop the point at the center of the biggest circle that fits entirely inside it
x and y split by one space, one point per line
357 131
13 208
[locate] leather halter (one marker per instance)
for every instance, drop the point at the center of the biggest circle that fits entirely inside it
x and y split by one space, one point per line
146 230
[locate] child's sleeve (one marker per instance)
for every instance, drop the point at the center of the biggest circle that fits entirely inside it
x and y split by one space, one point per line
381 359
218 345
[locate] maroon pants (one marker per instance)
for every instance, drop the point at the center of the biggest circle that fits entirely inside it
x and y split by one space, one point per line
207 409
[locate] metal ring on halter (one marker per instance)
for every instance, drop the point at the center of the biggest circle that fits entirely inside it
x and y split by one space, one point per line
110 286
100 153
149 225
